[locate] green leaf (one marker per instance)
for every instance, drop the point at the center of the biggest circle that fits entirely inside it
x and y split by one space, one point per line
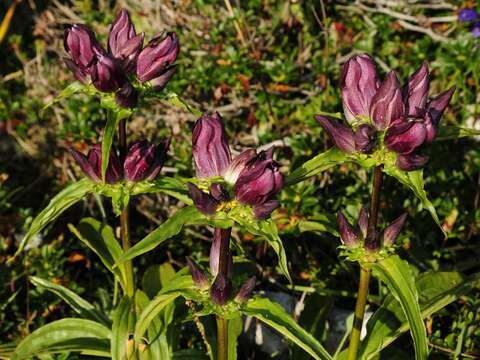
168 185
455 132
100 238
77 303
235 327
316 165
61 202
176 100
414 180
73 88
123 323
398 277
436 290
114 116
165 231
207 328
155 277
267 229
85 336
275 316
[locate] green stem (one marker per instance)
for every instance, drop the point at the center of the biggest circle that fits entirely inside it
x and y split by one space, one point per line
222 338
125 214
371 242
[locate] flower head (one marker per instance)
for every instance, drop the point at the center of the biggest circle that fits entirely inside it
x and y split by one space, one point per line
144 160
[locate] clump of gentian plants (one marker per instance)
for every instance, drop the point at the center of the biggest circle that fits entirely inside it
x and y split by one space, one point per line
388 128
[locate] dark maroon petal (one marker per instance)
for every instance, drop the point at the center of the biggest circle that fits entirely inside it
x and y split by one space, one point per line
219 235
411 162
341 135
79 74
127 96
198 276
204 202
210 149
157 55
80 43
114 169
387 104
365 138
363 221
159 82
160 157
391 232
221 290
238 164
85 165
106 74
415 92
140 159
246 289
121 31
348 234
358 85
405 138
264 210
438 104
219 192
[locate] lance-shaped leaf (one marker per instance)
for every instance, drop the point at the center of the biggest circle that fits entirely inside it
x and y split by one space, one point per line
436 290
235 327
275 316
71 89
79 335
123 324
414 181
170 228
319 163
61 202
449 132
77 303
167 185
398 277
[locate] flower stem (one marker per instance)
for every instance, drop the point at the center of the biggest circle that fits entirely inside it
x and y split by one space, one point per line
125 214
222 323
371 242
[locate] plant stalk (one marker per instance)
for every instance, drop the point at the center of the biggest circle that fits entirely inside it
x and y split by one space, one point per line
222 323
371 242
125 214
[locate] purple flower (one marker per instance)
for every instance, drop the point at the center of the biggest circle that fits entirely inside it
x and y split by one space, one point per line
127 96
210 147
219 236
80 43
391 232
411 161
387 104
106 75
198 276
365 137
260 180
416 92
246 289
159 82
144 160
263 210
358 86
157 56
476 30
91 164
203 201
348 234
237 165
221 290
467 15
123 42
341 135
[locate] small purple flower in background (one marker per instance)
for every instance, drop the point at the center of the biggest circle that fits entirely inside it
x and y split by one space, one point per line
408 116
109 70
144 160
467 15
91 164
476 30
255 178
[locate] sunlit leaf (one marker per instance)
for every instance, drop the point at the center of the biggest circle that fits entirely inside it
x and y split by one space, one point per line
123 324
275 316
167 185
73 88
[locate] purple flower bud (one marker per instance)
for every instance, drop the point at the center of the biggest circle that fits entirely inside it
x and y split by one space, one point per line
221 290
144 160
246 289
262 211
359 84
365 138
404 136
106 74
219 192
123 42
387 104
80 75
159 82
411 161
348 235
198 276
237 165
127 96
437 105
91 164
204 202
415 92
219 235
467 15
259 180
341 135
209 146
80 43
157 55
363 221
391 232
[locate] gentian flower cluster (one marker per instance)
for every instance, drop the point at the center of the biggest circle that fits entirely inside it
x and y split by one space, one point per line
113 70
405 118
143 161
353 237
470 15
254 177
221 289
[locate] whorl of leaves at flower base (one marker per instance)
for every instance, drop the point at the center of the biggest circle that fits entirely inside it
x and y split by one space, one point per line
111 70
406 115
